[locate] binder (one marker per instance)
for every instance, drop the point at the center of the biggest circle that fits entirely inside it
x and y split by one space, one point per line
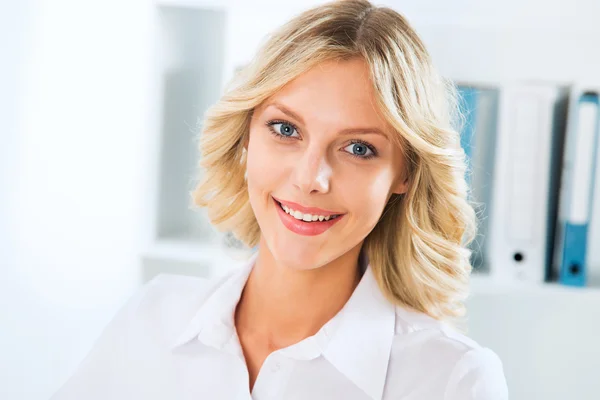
577 188
526 180
467 96
478 104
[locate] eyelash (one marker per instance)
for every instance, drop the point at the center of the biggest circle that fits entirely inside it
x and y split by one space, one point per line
353 141
279 135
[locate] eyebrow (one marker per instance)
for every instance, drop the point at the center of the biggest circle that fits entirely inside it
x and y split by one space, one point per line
347 131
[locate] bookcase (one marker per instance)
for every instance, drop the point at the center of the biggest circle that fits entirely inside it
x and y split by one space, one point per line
191 70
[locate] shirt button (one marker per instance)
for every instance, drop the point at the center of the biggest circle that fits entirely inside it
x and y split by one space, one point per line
276 367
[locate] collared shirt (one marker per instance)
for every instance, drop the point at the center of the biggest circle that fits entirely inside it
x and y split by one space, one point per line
176 339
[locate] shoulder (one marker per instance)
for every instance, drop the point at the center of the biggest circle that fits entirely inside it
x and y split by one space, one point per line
162 306
422 329
455 365
168 302
132 346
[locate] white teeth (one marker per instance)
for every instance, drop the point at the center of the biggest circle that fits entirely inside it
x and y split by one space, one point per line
306 217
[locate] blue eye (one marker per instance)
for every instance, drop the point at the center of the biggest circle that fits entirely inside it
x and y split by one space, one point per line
359 149
284 129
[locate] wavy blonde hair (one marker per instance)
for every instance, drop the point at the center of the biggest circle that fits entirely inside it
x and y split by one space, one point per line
418 250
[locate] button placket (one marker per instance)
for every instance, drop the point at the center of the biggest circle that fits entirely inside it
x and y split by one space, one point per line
271 381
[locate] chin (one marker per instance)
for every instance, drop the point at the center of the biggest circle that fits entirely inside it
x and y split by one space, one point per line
296 257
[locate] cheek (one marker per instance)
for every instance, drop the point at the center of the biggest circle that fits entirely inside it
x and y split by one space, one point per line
261 167
369 194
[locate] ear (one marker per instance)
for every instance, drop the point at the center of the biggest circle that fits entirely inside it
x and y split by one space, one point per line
401 186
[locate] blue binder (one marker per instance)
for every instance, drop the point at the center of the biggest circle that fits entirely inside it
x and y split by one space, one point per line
576 197
478 106
467 106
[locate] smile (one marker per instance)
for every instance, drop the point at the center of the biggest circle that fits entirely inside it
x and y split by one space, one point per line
306 217
308 221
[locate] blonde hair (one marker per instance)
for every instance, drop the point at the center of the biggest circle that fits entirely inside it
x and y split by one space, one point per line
418 250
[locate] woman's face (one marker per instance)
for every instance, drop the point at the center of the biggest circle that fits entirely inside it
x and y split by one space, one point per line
318 151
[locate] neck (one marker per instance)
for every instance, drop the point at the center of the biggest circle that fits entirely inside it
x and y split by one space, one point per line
281 306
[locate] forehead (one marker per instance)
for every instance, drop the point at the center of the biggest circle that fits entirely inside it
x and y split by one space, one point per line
336 93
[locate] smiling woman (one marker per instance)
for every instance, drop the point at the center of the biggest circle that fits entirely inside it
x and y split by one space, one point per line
333 152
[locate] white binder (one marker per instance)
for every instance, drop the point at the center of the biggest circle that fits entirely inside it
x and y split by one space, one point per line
526 178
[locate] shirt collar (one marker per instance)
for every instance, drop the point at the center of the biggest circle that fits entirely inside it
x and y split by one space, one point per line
217 311
357 341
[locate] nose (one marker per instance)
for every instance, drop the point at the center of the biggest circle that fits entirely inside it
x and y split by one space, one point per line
312 173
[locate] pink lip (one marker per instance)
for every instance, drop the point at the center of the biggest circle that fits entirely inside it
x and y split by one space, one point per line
302 227
307 210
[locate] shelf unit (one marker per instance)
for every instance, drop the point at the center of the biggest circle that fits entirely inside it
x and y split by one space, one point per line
190 73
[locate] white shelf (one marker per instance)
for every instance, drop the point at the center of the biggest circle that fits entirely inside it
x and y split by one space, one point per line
190 257
212 258
485 285
187 250
215 4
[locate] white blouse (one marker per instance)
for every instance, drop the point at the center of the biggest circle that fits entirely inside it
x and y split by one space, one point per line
175 339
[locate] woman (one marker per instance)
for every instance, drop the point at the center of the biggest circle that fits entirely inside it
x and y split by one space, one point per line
333 152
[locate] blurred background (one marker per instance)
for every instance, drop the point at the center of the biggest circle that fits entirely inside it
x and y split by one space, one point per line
100 102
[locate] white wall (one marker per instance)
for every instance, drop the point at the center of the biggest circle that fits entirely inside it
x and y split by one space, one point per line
73 189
